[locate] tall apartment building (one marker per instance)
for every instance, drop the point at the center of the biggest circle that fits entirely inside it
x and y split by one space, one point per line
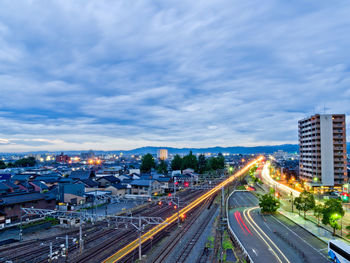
322 143
162 154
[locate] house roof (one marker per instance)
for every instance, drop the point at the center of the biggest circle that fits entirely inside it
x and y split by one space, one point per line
48 179
4 187
109 178
5 176
141 182
89 182
40 185
22 198
21 177
80 174
12 185
163 179
119 186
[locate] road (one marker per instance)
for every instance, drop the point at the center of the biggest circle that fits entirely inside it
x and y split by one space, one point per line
168 221
271 238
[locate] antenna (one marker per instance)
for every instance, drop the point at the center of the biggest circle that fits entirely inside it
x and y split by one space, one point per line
324 108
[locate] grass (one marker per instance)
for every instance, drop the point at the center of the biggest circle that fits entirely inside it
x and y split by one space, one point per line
51 220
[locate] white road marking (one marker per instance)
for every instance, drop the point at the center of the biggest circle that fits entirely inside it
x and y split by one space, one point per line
255 252
267 226
300 237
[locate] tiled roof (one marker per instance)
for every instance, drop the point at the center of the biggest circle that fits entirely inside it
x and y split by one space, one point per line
21 198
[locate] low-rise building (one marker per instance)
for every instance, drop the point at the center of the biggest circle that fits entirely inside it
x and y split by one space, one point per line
10 205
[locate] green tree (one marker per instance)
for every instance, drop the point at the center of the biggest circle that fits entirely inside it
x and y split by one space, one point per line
202 163
298 203
318 212
147 163
189 161
304 202
220 161
213 163
10 165
162 167
332 211
2 164
268 203
176 163
25 162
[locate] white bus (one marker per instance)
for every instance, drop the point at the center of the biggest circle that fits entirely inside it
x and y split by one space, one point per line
339 251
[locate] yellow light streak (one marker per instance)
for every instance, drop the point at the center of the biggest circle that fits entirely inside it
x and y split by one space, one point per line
251 220
263 239
155 230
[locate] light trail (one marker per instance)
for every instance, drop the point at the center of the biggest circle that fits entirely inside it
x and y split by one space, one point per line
265 174
240 217
155 230
250 221
239 222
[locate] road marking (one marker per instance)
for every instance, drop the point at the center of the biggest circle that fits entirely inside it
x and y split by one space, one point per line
256 253
248 213
299 236
263 239
267 226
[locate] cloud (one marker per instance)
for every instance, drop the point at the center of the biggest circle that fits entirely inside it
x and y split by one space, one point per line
119 75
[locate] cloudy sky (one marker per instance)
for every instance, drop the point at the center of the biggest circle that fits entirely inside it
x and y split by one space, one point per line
110 75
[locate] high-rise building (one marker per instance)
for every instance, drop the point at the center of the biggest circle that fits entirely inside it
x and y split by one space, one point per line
322 143
162 154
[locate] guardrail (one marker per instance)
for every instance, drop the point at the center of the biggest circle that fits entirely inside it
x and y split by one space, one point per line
232 234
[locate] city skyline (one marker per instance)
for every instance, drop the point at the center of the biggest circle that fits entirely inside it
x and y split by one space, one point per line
110 76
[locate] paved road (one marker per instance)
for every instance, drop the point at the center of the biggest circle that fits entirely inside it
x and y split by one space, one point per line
272 238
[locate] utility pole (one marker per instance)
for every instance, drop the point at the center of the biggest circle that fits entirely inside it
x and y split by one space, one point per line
140 232
67 248
50 260
81 245
222 221
20 229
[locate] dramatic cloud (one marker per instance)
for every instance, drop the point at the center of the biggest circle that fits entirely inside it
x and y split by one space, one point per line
114 75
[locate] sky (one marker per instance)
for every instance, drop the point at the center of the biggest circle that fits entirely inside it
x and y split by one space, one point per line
114 75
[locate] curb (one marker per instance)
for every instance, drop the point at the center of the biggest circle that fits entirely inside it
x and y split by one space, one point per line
232 234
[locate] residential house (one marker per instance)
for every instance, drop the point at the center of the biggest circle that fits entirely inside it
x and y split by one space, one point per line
145 187
10 205
106 181
118 189
71 193
4 189
80 175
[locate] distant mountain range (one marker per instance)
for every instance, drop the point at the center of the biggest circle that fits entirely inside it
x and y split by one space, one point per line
291 148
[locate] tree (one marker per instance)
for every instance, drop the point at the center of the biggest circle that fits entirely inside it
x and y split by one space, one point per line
298 203
318 212
268 203
147 163
25 162
332 211
304 202
220 161
189 161
202 163
162 167
176 163
2 164
213 163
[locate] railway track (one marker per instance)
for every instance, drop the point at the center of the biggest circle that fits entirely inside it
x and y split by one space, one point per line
97 240
172 244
